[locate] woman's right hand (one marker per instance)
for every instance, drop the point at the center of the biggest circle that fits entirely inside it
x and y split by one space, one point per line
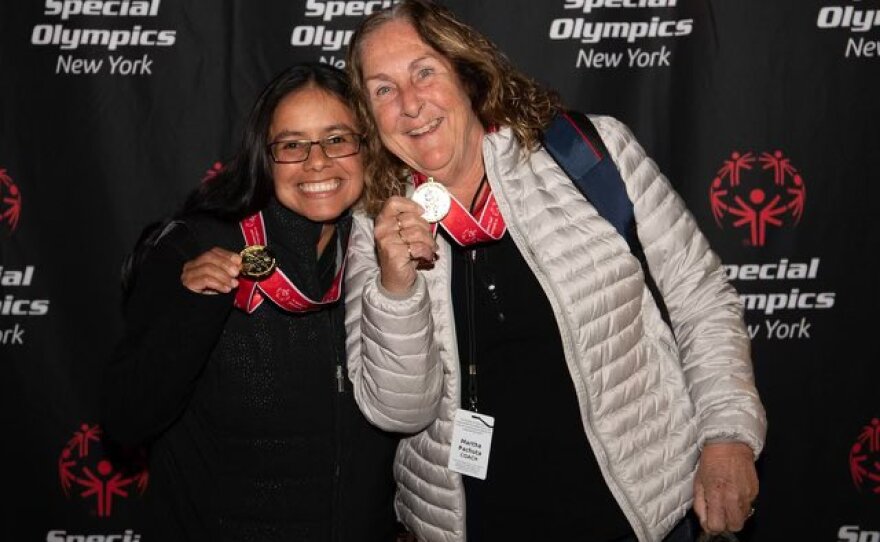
213 272
403 242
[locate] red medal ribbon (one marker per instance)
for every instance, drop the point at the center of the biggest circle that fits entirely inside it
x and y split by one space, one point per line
277 287
466 229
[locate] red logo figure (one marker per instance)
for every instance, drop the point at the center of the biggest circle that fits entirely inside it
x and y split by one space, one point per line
864 458
82 469
743 196
213 171
10 201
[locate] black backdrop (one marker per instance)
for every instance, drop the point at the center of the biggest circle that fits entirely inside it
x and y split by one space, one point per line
763 114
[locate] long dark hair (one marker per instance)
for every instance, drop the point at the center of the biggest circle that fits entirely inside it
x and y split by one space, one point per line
245 184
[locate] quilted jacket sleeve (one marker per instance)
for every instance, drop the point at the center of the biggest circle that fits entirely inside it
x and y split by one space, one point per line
392 360
705 310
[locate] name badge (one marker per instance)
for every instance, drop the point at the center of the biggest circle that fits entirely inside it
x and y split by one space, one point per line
471 442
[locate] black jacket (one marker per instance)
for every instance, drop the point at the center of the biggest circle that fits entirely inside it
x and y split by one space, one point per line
250 437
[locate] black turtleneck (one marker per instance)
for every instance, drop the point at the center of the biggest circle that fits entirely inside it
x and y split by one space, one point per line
250 437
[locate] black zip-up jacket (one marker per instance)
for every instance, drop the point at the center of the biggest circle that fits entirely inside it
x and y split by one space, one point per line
250 437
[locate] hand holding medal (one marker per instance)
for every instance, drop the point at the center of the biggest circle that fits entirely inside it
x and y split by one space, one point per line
213 272
404 242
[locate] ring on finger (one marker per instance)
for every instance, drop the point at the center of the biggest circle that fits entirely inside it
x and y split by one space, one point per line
403 239
400 231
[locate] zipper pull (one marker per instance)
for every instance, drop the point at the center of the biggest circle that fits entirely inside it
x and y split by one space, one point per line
340 379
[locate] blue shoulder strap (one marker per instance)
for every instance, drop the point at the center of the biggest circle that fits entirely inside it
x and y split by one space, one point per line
572 140
575 144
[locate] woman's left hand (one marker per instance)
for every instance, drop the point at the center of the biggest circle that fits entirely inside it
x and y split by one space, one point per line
725 486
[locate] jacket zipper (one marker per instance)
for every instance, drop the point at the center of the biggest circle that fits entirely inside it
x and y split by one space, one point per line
339 385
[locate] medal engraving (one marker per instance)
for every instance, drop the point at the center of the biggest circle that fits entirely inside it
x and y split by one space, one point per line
434 199
257 262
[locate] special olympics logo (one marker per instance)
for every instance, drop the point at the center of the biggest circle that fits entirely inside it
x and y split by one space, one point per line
745 197
10 201
83 470
283 294
864 458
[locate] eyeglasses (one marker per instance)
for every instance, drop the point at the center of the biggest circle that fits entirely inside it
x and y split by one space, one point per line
292 151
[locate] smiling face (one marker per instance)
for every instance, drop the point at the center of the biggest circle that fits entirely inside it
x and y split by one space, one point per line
319 188
421 109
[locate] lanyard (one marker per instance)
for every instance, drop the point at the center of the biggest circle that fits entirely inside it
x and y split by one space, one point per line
470 296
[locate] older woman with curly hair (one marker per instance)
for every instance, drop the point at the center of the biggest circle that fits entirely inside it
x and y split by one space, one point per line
523 309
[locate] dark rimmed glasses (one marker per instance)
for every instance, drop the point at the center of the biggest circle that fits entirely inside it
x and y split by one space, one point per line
292 151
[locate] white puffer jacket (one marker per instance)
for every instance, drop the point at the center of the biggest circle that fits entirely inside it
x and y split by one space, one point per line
645 413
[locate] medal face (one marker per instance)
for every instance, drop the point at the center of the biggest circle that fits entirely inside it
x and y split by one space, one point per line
257 262
434 199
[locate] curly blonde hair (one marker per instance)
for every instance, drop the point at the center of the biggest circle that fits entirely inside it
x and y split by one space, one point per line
500 94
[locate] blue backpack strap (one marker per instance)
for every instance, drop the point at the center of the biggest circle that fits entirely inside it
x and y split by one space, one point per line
575 144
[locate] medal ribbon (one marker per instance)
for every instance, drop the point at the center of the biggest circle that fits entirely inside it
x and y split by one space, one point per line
277 286
466 229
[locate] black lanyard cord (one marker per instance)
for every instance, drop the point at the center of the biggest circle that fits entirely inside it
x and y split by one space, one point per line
470 295
472 340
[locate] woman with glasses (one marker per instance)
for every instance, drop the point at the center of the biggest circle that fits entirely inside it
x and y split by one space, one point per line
234 371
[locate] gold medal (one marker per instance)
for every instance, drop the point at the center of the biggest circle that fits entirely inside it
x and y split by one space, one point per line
434 199
257 262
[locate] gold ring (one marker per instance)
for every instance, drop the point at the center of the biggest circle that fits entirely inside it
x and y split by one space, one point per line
403 239
400 233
